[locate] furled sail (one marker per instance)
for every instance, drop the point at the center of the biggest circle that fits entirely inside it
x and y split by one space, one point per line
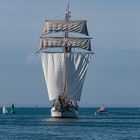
78 26
76 65
83 43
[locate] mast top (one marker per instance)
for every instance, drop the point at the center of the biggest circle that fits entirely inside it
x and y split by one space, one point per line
67 13
67 16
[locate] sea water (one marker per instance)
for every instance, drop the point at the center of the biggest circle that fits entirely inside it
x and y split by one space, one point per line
36 124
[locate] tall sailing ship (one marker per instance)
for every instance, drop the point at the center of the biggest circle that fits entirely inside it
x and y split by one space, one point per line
65 55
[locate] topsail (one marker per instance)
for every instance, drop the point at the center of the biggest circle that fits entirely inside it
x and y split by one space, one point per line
77 26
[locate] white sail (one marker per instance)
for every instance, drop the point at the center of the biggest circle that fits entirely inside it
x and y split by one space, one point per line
83 43
53 64
76 68
71 65
78 26
4 110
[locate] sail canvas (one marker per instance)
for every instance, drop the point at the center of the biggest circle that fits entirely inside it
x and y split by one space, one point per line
75 64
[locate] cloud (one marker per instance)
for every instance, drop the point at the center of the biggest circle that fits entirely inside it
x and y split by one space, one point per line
31 58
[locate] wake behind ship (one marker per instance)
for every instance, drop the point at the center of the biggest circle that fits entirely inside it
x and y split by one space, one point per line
65 61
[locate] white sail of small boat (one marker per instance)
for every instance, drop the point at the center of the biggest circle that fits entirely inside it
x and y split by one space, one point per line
65 66
4 110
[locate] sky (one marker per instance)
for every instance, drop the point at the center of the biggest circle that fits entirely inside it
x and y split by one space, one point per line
113 77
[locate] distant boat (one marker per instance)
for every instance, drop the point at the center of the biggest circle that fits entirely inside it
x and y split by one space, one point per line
35 109
12 109
101 111
4 110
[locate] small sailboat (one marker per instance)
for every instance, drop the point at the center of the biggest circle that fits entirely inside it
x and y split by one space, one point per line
4 110
101 111
12 109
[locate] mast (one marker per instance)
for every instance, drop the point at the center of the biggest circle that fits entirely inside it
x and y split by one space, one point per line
66 50
67 16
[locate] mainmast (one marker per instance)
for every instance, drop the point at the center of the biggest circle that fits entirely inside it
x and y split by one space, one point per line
67 16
